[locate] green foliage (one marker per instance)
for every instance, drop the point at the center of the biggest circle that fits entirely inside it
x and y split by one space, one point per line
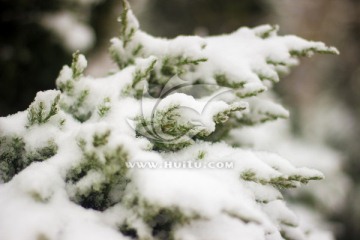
12 153
238 85
67 87
127 230
104 107
169 131
163 221
108 163
307 52
142 74
282 181
222 80
99 177
76 109
126 31
77 70
268 32
42 153
165 129
38 114
224 116
14 157
101 139
201 155
178 65
225 121
73 96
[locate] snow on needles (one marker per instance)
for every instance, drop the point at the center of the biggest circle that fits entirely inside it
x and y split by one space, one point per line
92 160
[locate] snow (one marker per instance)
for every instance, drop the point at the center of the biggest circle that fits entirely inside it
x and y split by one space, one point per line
81 63
221 228
13 124
240 202
199 111
244 63
57 218
65 74
276 137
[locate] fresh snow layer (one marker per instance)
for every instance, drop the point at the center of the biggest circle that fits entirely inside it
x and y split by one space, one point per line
88 131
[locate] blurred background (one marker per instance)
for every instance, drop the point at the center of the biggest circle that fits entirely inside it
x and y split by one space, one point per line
323 94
